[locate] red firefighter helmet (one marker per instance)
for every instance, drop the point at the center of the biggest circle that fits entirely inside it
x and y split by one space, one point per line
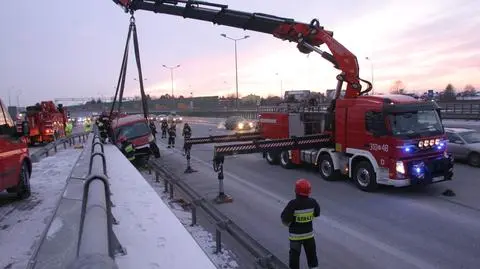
303 187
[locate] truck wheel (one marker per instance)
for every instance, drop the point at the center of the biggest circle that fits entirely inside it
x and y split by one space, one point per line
474 159
285 162
272 158
326 168
23 187
365 177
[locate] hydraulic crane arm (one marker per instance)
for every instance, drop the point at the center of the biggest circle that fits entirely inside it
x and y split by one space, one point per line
223 138
307 36
304 142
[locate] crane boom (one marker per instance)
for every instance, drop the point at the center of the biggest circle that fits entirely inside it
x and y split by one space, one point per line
308 36
223 138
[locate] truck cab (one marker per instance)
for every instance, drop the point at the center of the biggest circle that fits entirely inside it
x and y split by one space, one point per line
15 163
392 140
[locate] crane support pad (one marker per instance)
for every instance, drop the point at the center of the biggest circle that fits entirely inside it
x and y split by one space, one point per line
304 142
223 138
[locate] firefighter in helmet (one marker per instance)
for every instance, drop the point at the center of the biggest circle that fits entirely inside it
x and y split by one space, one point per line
172 133
186 133
298 215
87 126
127 148
164 127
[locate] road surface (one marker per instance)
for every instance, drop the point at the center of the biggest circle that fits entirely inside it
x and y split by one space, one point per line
393 228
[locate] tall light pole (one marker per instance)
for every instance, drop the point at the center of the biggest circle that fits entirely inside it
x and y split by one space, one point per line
281 85
371 70
171 73
18 97
236 65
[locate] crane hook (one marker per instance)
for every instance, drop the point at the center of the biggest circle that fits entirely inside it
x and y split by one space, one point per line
315 23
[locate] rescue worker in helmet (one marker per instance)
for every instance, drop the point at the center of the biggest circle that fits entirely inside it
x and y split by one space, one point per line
298 215
87 126
164 128
172 133
127 148
154 129
102 128
68 128
186 133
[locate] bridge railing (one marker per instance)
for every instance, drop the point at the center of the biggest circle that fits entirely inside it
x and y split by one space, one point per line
54 146
263 257
97 242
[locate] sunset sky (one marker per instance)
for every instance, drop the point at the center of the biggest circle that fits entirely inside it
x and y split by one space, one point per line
59 48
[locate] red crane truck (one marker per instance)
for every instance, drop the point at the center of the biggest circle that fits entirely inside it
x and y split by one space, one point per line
15 163
46 122
392 140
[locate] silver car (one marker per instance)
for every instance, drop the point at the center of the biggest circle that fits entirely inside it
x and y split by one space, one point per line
464 144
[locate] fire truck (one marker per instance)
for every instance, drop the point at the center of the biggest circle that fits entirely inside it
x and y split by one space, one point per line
374 140
46 122
15 163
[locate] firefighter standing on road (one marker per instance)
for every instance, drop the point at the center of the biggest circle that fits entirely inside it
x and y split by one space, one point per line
68 129
153 128
186 133
172 133
164 128
298 215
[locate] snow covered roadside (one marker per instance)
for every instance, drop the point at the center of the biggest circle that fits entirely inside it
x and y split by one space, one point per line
204 238
151 234
22 223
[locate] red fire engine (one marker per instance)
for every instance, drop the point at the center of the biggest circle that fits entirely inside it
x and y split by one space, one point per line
46 122
392 140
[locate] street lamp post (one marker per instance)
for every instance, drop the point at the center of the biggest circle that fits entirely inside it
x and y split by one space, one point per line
236 65
371 70
281 85
18 97
171 73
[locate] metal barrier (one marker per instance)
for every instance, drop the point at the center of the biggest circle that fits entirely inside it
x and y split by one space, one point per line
70 140
263 257
97 244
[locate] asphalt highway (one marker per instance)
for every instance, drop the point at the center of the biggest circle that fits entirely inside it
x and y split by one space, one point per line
392 228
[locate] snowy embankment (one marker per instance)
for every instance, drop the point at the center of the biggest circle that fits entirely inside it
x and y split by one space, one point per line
204 238
151 234
22 223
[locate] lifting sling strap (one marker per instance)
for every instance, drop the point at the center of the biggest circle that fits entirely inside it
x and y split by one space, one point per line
132 30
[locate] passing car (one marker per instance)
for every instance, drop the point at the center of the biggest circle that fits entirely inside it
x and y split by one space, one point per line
173 117
464 144
238 123
162 117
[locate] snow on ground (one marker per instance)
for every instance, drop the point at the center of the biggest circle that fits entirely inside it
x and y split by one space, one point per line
22 223
205 239
151 234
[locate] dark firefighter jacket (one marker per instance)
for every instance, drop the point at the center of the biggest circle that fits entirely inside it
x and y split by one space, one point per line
187 132
164 125
172 132
298 215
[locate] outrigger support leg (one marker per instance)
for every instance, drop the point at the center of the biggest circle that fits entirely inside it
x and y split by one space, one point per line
189 169
222 198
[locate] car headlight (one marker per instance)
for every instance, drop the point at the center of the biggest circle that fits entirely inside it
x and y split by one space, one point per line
400 168
240 125
180 118
250 124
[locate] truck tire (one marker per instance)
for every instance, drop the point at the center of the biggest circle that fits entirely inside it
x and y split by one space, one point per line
22 189
474 159
285 162
365 177
272 158
326 168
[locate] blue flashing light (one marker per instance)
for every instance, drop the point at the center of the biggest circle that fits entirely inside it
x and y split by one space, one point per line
407 149
418 170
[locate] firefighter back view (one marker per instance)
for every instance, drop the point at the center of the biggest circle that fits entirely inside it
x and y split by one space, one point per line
298 215
164 128
172 133
186 133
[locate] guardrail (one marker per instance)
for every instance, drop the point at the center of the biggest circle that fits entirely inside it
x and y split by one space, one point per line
97 244
263 257
70 140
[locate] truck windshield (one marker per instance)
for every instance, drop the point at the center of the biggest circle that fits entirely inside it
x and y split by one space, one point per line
471 137
135 130
415 124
